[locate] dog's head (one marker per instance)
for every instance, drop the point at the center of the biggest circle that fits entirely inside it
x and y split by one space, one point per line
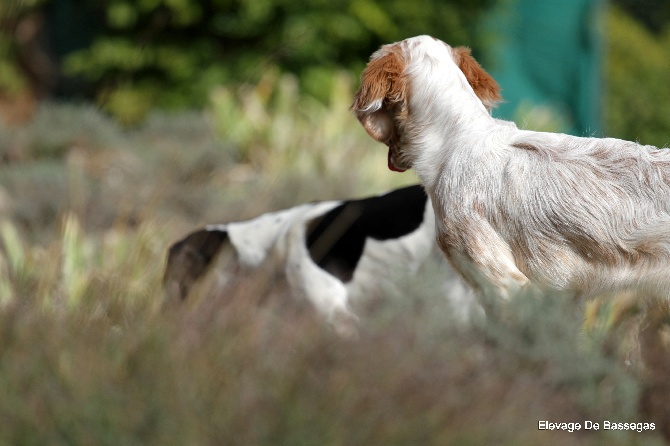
382 103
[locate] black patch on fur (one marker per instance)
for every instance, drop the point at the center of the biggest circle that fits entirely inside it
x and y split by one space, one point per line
189 259
336 239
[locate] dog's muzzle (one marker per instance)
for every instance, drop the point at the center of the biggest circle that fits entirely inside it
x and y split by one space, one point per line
391 160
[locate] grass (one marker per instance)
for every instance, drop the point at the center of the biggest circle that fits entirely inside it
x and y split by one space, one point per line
89 355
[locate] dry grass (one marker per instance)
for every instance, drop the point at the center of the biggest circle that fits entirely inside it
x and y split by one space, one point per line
89 355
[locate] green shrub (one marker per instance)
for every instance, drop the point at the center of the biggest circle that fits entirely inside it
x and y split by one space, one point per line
637 71
172 53
12 80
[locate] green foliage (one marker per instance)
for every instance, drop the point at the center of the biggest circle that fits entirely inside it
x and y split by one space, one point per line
172 53
637 72
272 124
654 14
12 81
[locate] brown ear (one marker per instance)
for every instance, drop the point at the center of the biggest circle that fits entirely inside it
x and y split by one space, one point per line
485 87
382 85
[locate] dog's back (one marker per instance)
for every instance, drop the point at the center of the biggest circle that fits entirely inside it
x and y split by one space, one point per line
320 247
602 206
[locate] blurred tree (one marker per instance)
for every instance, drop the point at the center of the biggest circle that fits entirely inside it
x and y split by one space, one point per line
24 71
637 72
655 14
170 53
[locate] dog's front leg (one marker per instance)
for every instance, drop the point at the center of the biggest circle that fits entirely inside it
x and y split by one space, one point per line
483 258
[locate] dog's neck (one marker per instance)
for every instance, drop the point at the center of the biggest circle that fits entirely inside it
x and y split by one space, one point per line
449 117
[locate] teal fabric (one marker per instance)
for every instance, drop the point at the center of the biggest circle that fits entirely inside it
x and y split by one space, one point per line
547 54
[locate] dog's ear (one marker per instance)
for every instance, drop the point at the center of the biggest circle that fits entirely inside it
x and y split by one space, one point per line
189 259
382 86
485 87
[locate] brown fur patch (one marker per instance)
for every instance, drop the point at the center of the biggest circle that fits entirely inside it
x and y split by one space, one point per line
382 80
485 87
525 146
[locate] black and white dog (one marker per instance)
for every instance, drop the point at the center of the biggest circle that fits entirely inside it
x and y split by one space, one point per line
329 252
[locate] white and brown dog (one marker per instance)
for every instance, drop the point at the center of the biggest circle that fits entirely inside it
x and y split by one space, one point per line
584 215
328 252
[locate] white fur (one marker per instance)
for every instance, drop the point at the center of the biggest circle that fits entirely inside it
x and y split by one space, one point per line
585 215
276 242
